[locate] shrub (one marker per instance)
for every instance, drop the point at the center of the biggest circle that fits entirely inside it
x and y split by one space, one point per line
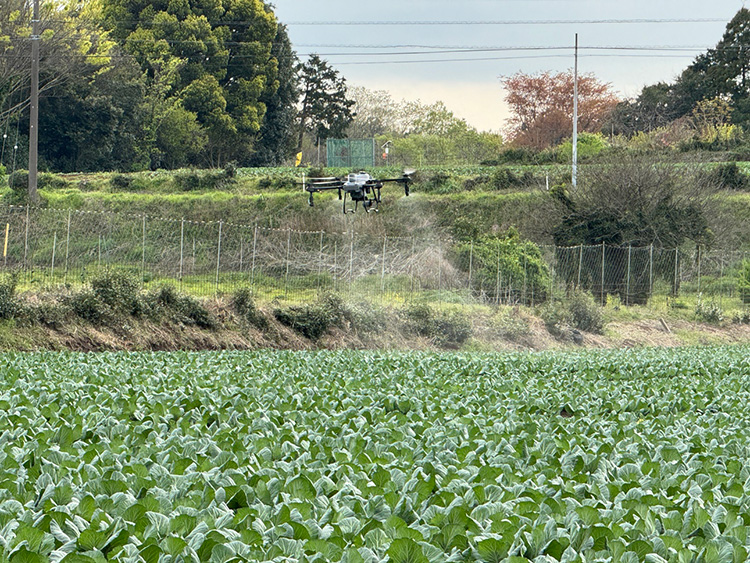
49 181
709 312
742 317
243 304
193 180
119 291
87 306
18 181
510 324
9 305
585 313
444 328
311 321
729 176
121 182
517 264
180 308
743 281
555 316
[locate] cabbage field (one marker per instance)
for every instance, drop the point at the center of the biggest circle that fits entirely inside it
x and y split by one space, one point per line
621 456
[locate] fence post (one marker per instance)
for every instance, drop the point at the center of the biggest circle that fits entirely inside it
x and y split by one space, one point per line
218 259
497 280
67 249
252 267
411 268
603 251
471 264
54 250
651 271
351 262
580 265
721 281
627 283
675 287
320 260
335 264
525 277
182 249
699 269
288 252
382 268
143 250
26 240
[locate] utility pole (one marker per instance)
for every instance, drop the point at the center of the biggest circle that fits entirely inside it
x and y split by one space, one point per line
34 107
574 179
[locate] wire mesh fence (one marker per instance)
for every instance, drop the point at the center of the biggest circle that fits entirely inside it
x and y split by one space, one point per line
47 248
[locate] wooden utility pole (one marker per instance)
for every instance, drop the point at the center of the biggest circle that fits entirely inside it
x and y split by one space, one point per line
34 106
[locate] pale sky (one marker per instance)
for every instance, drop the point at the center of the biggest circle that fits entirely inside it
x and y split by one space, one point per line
375 55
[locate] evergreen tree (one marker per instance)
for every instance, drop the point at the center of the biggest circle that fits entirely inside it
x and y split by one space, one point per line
276 142
326 111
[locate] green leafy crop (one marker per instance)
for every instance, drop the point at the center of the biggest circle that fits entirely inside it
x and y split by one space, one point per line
624 456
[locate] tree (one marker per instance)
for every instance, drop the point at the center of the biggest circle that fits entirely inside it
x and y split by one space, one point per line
213 57
653 108
542 106
634 200
276 141
326 111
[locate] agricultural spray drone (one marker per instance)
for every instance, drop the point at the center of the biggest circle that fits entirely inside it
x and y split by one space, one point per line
359 186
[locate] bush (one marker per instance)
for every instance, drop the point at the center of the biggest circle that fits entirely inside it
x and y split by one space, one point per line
180 308
193 180
9 305
585 313
510 324
444 328
119 291
49 181
743 281
87 306
311 321
120 182
730 177
19 181
519 264
580 312
709 312
243 304
555 316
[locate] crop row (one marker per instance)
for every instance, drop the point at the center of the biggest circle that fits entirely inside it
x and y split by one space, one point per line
346 456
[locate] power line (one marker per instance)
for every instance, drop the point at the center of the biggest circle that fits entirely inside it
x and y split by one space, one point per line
511 22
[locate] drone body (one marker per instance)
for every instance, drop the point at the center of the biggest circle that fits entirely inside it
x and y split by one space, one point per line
358 186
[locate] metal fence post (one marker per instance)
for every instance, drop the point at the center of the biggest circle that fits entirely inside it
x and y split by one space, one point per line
143 250
182 249
286 272
651 271
351 261
54 249
252 267
471 265
320 260
676 287
67 249
627 283
497 276
218 259
699 269
382 268
26 240
603 251
580 265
